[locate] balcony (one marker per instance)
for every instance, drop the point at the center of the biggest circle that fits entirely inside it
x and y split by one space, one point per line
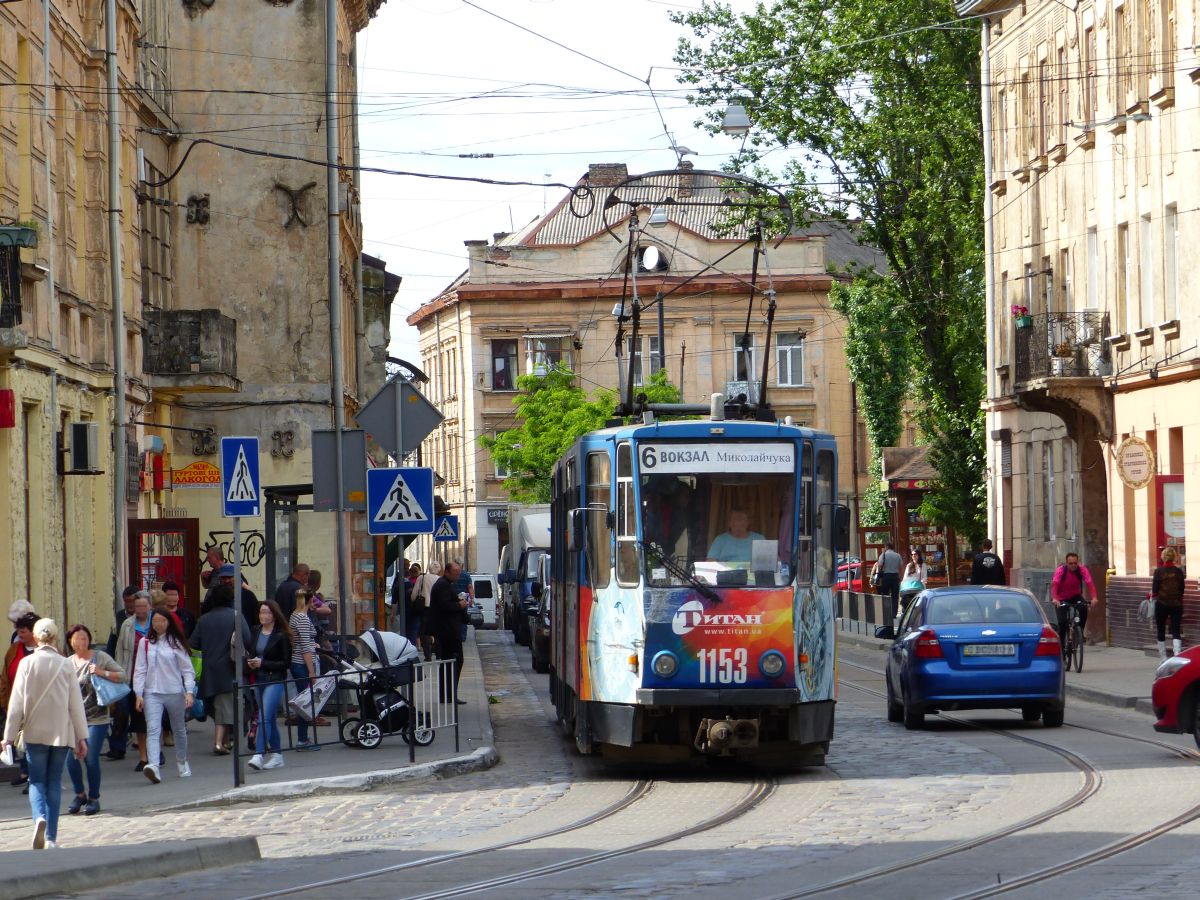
1062 361
190 350
12 337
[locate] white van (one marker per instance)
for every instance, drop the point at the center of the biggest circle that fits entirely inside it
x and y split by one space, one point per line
487 596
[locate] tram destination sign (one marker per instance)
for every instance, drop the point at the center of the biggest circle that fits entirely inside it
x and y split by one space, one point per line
717 456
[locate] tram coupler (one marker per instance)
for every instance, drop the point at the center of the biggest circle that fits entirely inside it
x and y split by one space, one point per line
722 735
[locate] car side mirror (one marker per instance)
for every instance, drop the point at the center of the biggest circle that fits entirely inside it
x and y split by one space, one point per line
885 633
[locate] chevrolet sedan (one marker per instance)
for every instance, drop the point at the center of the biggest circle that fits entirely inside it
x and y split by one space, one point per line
974 647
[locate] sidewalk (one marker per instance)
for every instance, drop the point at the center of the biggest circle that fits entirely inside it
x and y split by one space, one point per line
1112 676
126 793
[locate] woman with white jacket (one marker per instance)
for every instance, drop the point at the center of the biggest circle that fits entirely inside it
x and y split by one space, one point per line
164 679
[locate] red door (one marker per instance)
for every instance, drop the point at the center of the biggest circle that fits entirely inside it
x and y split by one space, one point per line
166 550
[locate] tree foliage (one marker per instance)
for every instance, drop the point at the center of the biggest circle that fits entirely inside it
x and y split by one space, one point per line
553 412
890 109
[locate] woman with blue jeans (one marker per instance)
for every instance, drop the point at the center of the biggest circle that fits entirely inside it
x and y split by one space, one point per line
46 705
89 663
270 657
304 661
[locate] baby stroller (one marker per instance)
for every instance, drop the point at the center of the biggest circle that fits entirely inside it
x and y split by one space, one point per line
908 592
383 708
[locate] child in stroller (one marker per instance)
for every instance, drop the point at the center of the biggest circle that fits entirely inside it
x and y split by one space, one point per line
383 708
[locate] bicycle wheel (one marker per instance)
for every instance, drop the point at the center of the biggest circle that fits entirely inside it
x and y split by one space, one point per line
1077 640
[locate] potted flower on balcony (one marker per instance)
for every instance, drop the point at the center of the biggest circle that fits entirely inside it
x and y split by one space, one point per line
1021 315
1062 356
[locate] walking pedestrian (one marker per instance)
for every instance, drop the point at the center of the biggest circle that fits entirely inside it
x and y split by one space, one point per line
175 605
304 662
285 594
133 632
445 620
987 567
885 575
23 645
419 611
213 638
90 662
164 680
1167 590
18 609
270 652
47 708
1066 591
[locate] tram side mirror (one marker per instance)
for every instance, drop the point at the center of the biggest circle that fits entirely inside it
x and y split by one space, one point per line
576 530
841 529
885 633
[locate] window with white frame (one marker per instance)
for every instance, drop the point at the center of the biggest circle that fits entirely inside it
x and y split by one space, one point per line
1093 269
504 365
789 356
502 471
650 342
1171 262
543 353
1146 239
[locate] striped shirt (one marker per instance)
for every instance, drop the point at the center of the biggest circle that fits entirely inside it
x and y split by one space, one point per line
306 637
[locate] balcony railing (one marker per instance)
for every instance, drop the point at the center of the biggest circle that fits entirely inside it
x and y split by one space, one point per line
1063 345
10 286
191 347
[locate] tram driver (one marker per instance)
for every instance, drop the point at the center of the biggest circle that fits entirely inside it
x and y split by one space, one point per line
737 543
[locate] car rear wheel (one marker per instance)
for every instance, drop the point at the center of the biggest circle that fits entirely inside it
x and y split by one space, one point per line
895 710
914 718
1030 713
1053 718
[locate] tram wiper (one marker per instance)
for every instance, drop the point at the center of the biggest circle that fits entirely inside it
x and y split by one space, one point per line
679 571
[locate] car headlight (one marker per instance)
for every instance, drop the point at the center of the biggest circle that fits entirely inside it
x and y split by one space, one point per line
665 664
771 663
1169 667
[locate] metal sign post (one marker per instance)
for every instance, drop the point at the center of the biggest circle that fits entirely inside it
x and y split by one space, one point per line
241 493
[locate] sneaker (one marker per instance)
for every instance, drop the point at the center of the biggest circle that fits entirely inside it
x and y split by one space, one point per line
273 761
151 772
51 845
92 807
185 771
141 765
39 834
115 754
255 762
307 745
76 805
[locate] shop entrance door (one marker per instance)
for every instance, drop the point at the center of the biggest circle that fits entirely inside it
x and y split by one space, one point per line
166 550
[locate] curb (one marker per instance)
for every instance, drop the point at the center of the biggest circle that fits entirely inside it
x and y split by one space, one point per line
72 871
1078 691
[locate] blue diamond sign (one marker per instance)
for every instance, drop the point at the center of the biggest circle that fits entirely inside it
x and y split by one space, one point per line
400 501
241 490
445 528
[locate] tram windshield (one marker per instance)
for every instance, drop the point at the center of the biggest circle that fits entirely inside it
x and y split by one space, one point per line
720 528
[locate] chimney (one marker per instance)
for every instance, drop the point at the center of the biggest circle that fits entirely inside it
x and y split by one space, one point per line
607 174
686 179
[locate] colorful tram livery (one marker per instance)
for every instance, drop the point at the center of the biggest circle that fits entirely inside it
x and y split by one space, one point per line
692 572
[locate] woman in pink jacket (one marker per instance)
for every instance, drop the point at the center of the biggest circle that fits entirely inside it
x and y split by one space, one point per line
164 679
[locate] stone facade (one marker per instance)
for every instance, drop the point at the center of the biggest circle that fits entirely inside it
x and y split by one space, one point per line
1091 123
546 294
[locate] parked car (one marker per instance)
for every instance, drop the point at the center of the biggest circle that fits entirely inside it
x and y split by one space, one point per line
539 628
974 647
1176 694
475 614
849 577
487 595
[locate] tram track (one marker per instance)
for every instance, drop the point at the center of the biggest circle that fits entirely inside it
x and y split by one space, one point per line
1100 854
757 793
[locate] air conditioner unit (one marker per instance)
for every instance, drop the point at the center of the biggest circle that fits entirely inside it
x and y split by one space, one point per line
83 453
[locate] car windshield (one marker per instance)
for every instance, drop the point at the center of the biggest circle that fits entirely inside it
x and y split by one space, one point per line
720 528
984 608
532 558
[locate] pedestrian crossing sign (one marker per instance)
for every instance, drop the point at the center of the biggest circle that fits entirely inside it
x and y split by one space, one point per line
241 490
400 501
445 528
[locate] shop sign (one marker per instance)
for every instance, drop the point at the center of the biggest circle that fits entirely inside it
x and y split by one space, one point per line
1135 463
197 475
497 516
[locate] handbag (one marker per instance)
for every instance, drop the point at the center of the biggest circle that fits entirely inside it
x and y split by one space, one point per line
308 703
109 692
197 663
1146 610
196 710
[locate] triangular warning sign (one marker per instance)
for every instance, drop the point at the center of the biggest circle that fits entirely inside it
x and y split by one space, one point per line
445 530
241 485
400 505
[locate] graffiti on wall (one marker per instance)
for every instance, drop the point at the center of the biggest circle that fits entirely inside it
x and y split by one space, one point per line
254 546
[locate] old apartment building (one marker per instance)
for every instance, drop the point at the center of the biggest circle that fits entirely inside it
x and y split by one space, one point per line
545 295
1092 121
221 272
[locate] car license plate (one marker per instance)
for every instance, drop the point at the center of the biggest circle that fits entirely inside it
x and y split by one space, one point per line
990 650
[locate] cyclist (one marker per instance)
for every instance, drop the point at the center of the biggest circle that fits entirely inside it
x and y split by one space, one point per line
1066 590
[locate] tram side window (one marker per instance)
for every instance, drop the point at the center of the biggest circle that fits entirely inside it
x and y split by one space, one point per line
825 501
599 535
627 555
568 564
804 531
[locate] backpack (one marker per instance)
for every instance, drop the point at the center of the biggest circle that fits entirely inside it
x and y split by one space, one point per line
1170 586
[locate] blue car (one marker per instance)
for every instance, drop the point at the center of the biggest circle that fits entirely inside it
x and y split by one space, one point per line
974 647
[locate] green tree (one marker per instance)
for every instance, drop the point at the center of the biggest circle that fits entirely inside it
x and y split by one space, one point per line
553 412
884 98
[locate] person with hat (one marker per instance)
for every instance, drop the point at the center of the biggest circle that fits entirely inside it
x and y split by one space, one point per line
224 576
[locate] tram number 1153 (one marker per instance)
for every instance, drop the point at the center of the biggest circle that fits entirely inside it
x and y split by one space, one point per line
724 666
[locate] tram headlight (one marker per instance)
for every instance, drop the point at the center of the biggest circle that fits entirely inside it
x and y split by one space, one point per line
772 663
665 664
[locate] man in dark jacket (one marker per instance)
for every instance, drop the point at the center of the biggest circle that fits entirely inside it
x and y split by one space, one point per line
445 621
285 594
987 568
212 637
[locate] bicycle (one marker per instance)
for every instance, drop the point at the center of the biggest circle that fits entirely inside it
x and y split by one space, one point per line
1072 645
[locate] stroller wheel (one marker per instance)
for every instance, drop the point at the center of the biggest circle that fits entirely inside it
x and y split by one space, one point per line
370 735
422 737
350 732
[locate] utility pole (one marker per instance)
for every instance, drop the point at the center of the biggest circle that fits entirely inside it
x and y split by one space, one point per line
337 391
118 309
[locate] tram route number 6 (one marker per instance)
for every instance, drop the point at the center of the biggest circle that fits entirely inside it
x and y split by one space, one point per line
723 666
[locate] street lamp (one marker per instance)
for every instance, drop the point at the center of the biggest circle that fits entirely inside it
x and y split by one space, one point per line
658 217
735 121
